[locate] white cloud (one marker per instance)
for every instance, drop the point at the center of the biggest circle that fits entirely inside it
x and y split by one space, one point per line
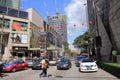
76 15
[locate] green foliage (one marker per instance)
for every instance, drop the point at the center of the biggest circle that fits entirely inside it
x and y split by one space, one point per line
66 48
113 68
83 40
112 64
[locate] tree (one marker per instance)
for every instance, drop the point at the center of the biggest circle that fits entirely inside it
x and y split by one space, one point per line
83 40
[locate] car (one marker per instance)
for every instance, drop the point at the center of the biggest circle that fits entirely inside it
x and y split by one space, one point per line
64 64
78 60
36 64
88 65
59 58
13 66
30 62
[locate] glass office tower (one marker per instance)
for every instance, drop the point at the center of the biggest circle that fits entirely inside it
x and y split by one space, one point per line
14 4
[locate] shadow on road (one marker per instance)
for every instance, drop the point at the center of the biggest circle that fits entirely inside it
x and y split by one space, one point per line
3 75
58 76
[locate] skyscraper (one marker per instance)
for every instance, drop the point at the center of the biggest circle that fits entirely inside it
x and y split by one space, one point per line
59 24
14 4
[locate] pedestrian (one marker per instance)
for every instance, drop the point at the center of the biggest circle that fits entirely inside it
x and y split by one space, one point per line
44 68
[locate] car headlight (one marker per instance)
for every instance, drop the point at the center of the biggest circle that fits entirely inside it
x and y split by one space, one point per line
82 65
94 65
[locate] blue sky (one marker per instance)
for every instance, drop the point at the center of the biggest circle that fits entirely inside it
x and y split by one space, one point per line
75 11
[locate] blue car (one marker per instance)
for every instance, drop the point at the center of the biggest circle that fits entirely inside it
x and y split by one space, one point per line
64 64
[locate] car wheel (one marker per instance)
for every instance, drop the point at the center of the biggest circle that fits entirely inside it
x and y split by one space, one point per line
14 70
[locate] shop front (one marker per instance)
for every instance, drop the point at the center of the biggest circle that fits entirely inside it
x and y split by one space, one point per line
20 52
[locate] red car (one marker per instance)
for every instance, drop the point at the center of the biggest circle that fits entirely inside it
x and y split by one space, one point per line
13 66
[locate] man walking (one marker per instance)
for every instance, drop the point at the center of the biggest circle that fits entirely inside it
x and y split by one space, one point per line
44 66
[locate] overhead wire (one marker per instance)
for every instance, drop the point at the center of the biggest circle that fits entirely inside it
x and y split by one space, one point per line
57 9
45 5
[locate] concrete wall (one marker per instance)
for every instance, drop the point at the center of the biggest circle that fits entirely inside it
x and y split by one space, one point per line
114 19
106 44
34 17
7 36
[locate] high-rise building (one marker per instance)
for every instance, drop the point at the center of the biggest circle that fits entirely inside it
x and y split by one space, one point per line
14 4
59 24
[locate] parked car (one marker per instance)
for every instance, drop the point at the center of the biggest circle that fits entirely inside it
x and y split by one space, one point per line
64 64
78 60
88 65
13 66
36 63
30 62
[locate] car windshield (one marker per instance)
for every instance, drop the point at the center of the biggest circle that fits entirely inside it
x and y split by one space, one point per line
64 61
87 60
79 58
13 61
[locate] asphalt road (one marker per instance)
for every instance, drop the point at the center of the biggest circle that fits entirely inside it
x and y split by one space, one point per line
54 74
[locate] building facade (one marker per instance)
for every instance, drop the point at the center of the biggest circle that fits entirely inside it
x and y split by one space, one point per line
14 4
59 23
102 13
21 36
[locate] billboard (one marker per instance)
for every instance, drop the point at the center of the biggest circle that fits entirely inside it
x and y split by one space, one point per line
19 26
20 38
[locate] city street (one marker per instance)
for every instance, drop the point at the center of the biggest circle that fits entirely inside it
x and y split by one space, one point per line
54 74
42 33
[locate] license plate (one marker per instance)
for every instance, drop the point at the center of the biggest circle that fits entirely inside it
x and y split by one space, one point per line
89 68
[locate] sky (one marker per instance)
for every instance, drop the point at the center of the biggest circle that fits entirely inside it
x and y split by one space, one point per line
75 11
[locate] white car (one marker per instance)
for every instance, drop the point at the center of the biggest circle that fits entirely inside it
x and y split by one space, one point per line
88 65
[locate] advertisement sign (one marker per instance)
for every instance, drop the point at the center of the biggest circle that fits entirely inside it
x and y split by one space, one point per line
19 26
20 38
